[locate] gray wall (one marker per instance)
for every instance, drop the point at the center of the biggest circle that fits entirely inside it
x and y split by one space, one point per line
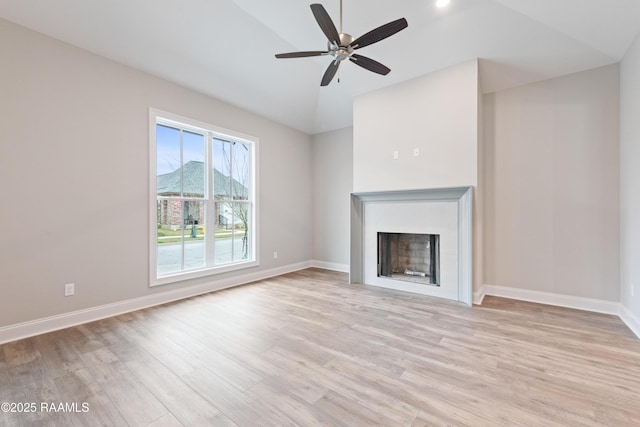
630 180
74 173
551 166
436 113
332 185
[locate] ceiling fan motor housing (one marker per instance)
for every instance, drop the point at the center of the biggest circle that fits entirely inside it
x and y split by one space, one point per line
343 51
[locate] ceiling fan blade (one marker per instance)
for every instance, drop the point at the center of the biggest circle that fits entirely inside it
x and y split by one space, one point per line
331 71
303 54
369 64
380 33
325 23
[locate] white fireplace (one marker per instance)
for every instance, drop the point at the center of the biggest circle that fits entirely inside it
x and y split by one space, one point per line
443 213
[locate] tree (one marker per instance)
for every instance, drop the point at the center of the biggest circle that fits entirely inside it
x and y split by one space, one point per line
236 161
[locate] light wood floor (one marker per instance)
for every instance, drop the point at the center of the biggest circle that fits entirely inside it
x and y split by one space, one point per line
309 349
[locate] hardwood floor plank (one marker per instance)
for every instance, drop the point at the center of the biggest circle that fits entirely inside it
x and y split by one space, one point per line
60 359
132 398
186 405
20 352
272 394
348 412
101 410
32 373
234 403
274 372
136 335
3 361
326 378
166 421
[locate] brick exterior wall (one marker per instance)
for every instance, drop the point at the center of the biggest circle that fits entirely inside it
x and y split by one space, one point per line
170 213
411 252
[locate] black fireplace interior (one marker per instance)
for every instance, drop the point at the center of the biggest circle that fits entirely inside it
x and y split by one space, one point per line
409 257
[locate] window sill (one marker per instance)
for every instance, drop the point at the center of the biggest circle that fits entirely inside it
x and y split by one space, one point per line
204 272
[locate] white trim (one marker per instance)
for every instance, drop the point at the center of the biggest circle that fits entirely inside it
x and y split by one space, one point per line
204 272
333 266
478 296
153 197
465 247
569 301
172 119
630 319
66 320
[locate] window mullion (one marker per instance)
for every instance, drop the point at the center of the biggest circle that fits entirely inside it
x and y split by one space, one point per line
182 205
182 199
231 204
210 206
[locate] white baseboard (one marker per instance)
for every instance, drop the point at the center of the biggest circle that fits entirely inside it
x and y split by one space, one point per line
478 296
569 301
61 321
343 268
631 320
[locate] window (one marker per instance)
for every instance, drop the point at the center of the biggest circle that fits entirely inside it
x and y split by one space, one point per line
203 199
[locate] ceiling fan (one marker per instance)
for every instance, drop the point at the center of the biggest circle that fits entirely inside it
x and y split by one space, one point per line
342 45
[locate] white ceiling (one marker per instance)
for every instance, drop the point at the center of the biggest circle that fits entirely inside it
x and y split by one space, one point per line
225 48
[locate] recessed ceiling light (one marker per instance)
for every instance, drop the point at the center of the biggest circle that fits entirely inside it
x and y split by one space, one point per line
442 3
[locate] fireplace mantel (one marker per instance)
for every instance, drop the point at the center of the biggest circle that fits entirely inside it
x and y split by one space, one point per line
461 196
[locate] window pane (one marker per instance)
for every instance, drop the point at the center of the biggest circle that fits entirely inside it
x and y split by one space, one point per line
168 161
224 233
221 169
240 171
194 247
241 231
170 232
193 161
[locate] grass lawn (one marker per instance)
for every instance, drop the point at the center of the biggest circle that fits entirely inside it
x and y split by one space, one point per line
167 235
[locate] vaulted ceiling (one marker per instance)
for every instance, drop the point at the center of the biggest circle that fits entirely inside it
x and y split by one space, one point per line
225 48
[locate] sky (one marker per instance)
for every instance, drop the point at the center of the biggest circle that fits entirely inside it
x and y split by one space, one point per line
168 148
168 152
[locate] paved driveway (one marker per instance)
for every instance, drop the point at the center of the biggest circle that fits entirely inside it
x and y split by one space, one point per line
170 254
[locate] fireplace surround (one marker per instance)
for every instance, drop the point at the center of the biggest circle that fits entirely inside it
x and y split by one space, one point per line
445 212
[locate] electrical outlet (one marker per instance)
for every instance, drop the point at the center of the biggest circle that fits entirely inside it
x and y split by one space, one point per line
396 155
416 152
69 289
275 254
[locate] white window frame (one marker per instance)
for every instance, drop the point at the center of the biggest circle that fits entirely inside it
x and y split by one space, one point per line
211 131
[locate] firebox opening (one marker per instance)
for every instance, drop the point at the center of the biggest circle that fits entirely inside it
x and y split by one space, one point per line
409 257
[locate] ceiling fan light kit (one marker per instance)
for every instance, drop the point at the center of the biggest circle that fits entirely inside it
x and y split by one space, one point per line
341 45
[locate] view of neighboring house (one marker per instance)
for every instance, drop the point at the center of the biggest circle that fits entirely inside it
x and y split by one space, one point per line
170 212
